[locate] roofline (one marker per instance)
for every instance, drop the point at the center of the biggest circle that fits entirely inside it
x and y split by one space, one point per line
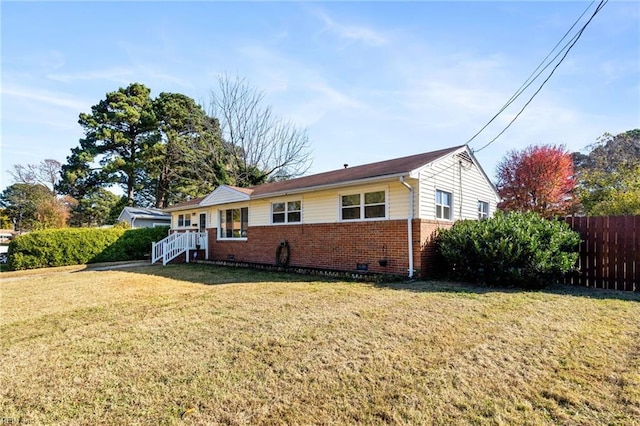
165 217
332 185
183 207
410 174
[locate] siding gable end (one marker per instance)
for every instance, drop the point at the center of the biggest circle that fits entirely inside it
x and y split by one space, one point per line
224 195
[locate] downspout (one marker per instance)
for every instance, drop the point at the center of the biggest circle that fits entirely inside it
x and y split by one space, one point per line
409 225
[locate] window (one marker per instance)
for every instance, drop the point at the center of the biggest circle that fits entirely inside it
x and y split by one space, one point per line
289 212
234 223
184 220
443 205
483 210
370 205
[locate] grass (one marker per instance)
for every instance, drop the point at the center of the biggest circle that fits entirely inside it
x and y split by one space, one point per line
194 344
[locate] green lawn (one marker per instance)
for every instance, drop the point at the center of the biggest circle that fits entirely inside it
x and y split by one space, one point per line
195 344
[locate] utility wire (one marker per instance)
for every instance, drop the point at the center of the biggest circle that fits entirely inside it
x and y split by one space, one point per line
567 48
533 76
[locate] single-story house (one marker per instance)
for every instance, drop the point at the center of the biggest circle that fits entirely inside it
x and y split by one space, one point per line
377 217
139 217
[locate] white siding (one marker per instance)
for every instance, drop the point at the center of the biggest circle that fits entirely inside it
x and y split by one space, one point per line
224 195
399 200
260 212
320 207
465 182
463 179
194 218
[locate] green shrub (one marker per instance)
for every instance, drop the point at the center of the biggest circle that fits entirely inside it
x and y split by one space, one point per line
521 249
74 246
133 244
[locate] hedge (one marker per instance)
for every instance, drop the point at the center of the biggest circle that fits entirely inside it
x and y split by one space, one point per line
75 246
510 249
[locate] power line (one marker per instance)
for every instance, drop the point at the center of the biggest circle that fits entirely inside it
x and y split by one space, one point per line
529 81
567 48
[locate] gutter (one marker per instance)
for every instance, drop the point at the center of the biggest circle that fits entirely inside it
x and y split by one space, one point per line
409 225
355 182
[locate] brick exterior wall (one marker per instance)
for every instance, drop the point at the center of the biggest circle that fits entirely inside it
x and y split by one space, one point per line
335 246
424 248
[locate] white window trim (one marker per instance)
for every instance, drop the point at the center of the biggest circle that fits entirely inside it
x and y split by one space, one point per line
286 215
435 200
362 205
184 216
219 225
488 209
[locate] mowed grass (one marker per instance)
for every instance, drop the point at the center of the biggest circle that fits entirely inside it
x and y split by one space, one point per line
194 344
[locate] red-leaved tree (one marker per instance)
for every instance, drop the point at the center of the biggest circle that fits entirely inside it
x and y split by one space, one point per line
539 178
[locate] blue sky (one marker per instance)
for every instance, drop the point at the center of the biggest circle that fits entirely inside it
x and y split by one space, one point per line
370 81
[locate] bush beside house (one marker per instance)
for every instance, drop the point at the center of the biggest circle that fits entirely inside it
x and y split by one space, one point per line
61 247
510 249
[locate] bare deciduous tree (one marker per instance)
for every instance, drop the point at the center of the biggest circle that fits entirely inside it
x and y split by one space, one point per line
262 147
46 173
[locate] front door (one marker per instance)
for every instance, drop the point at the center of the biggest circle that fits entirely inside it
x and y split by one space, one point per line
202 223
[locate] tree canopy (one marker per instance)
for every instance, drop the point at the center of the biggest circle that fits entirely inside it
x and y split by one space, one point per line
539 178
162 151
609 175
34 206
98 208
191 159
118 132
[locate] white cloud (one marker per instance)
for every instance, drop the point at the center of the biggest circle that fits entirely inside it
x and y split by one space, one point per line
118 75
122 76
40 95
350 32
40 61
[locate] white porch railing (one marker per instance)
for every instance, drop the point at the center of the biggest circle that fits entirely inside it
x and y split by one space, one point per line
177 243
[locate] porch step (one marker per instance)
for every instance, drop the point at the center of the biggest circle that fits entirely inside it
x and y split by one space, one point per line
177 243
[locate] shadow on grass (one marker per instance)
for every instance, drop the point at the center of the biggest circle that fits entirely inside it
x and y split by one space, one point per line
216 275
559 289
213 275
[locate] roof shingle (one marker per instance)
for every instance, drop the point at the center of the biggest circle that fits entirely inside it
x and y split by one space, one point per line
396 166
366 171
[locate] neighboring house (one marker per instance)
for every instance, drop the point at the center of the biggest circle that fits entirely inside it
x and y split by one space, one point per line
144 218
6 235
377 217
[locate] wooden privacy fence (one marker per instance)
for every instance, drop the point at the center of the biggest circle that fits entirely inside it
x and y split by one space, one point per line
609 252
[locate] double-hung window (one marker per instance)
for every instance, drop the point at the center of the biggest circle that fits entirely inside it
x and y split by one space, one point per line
286 212
184 220
443 205
368 205
483 210
234 223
